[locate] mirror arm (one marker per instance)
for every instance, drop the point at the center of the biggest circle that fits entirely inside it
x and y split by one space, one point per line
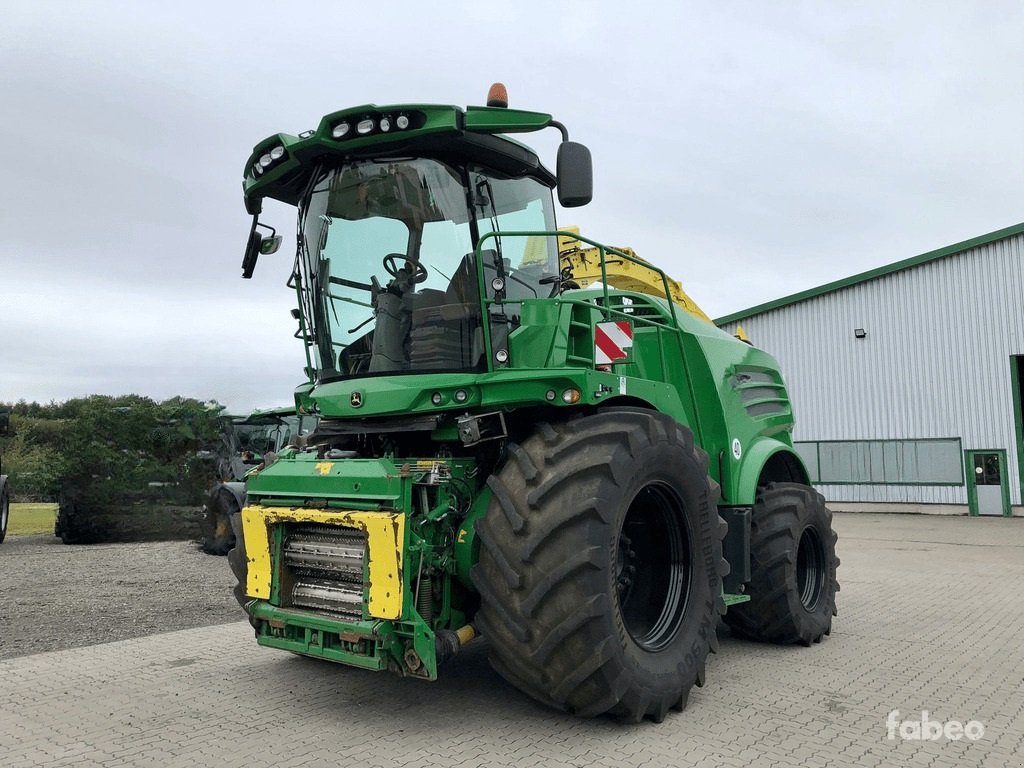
273 232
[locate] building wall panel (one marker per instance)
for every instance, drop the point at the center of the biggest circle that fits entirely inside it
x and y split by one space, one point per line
935 361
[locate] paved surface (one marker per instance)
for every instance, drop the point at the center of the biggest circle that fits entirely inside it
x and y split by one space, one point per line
931 618
65 596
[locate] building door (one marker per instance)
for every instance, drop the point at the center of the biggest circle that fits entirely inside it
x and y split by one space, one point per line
987 489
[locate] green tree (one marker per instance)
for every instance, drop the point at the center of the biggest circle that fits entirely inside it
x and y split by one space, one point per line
102 450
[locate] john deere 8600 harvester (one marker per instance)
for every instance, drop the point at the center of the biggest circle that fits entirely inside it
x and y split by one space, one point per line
523 434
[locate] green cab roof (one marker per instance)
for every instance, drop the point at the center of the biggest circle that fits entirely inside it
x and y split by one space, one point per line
872 274
279 166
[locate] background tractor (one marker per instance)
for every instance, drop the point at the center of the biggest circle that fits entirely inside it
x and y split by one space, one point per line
246 443
523 433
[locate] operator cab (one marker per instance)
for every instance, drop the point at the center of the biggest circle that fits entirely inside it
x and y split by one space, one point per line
421 232
387 263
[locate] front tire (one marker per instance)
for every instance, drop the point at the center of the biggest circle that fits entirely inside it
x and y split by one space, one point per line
218 537
601 564
238 561
793 568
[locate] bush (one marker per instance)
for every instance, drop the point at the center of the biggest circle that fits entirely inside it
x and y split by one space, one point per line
105 450
33 458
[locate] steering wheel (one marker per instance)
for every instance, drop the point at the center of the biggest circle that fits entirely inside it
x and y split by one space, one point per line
391 266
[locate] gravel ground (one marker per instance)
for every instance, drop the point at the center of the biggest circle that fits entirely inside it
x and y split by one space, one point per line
55 596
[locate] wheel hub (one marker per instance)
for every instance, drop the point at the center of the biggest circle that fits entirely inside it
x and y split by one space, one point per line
653 567
810 559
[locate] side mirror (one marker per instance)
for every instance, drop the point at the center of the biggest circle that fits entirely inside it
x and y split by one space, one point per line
575 174
269 245
257 246
252 252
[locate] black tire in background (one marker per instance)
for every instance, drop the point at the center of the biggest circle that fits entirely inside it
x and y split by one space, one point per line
65 524
218 537
601 565
5 511
238 560
793 568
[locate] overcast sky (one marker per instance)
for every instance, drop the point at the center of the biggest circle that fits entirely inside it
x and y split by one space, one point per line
751 149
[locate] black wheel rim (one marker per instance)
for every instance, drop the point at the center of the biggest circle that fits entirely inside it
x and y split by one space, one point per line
653 567
810 561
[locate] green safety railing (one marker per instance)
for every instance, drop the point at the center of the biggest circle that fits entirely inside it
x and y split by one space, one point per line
608 311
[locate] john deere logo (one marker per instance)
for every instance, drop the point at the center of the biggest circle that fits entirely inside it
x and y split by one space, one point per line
356 399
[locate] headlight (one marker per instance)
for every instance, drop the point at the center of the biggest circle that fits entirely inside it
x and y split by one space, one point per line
364 126
340 130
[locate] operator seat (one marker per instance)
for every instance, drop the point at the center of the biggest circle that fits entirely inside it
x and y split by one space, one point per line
446 333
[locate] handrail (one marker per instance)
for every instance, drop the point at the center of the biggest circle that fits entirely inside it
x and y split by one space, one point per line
605 307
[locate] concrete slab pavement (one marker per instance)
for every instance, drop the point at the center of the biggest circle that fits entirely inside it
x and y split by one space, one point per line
931 618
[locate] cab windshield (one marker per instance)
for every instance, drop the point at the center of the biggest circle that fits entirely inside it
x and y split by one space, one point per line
387 270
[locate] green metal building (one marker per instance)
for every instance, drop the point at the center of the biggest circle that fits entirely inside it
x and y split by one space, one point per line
909 379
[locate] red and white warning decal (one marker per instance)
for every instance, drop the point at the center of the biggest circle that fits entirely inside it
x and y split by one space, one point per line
611 341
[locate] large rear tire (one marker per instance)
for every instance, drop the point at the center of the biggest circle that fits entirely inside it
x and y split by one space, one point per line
601 565
793 568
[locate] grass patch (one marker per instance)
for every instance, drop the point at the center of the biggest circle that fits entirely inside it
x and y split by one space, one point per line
27 519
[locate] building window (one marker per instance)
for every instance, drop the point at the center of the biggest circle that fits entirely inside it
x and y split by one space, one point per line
884 462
